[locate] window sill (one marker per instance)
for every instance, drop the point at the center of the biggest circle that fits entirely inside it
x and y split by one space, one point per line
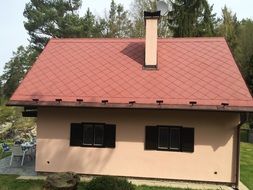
168 150
92 146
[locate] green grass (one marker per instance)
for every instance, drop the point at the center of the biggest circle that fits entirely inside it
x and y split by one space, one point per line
244 135
142 187
247 164
5 154
9 182
157 188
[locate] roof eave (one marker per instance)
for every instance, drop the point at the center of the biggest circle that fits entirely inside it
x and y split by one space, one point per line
132 106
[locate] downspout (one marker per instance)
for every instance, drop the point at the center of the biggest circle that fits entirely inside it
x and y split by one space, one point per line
243 119
238 127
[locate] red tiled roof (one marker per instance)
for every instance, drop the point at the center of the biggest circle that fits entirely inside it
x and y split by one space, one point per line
194 69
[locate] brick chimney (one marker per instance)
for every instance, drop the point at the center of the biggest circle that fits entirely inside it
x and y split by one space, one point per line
151 23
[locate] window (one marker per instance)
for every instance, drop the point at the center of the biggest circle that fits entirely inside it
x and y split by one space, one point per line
92 135
163 138
174 139
88 134
170 138
98 135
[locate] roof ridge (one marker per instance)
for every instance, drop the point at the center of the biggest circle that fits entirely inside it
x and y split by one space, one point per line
120 40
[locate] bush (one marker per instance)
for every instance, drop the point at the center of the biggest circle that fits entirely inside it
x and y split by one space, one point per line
109 183
251 125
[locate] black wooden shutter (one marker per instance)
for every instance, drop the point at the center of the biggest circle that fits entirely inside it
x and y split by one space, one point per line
110 136
151 139
187 139
76 134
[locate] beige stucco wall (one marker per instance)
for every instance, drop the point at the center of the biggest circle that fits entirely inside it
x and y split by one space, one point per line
214 144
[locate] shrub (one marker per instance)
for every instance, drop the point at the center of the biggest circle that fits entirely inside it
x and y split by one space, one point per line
251 125
109 183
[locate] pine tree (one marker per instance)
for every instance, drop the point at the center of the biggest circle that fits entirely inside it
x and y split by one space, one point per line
248 70
52 18
229 28
92 27
245 55
118 23
191 18
16 68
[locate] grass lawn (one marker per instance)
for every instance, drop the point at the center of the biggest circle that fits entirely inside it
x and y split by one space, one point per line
157 188
5 154
9 182
247 164
244 136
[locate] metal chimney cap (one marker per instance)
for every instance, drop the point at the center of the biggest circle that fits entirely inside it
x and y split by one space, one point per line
152 15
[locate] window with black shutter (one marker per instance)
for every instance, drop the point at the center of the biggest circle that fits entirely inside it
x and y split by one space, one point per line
110 136
151 138
93 135
170 138
187 136
76 134
98 135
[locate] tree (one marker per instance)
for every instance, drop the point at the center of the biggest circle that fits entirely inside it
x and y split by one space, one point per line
245 40
118 24
93 27
229 28
16 68
245 56
52 18
248 70
138 7
191 18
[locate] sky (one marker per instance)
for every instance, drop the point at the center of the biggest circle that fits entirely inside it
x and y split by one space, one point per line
13 33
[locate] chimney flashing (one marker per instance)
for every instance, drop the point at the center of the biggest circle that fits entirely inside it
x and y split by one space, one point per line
150 67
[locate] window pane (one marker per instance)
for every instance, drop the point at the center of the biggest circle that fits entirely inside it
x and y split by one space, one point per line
163 138
175 138
88 134
99 135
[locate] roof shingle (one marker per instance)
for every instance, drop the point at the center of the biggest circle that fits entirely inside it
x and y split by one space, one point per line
194 69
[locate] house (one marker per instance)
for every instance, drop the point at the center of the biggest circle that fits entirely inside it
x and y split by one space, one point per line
149 108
